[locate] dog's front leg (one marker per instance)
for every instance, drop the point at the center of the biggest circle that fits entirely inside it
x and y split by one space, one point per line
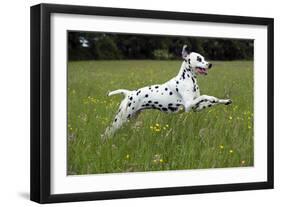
205 101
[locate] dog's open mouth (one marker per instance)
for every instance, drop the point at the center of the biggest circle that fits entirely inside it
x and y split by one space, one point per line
201 70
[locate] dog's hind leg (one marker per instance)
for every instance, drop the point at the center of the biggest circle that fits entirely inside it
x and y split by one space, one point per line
117 123
121 117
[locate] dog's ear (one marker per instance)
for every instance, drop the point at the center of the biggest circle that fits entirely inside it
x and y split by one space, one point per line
185 51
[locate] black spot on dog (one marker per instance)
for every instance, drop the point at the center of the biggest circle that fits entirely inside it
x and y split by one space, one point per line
166 89
138 92
160 105
172 108
183 75
170 104
156 86
153 106
133 108
193 80
189 60
149 88
229 102
213 101
178 104
177 89
156 102
147 104
131 98
146 95
129 116
188 75
164 109
115 120
162 93
129 104
209 105
171 93
149 101
177 82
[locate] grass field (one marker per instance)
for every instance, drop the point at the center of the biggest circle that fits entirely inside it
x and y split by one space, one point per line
218 137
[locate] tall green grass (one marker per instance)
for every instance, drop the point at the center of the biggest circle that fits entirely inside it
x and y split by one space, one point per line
217 137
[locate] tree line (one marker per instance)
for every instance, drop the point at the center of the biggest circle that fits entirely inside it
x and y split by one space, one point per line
112 46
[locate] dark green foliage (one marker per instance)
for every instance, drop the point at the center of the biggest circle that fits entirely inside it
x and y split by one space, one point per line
110 46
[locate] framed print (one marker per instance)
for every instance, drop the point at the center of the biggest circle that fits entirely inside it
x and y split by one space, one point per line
133 103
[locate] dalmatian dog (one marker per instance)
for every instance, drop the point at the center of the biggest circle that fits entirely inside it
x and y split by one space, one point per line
179 93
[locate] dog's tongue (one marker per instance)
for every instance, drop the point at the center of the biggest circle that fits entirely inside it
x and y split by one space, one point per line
202 71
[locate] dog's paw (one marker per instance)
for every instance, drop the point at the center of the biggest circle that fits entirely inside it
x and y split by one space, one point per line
229 101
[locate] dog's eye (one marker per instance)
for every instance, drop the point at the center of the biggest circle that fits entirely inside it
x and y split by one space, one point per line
199 59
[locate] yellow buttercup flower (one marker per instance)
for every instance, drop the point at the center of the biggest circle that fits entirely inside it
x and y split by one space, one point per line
157 129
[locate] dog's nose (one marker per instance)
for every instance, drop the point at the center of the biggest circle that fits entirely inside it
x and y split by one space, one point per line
210 65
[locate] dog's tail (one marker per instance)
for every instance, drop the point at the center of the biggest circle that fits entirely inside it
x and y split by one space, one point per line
123 91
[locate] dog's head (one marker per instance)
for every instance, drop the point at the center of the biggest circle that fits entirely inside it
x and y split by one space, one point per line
195 61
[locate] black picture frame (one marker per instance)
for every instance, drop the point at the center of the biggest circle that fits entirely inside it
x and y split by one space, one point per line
41 99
